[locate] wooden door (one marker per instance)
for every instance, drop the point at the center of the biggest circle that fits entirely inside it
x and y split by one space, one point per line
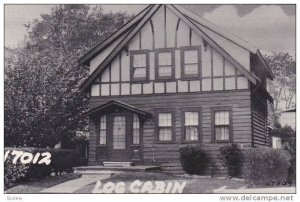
119 141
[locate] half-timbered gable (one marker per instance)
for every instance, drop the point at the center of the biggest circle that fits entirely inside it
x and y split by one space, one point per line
169 78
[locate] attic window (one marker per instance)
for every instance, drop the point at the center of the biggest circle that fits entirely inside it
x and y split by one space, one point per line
165 64
190 62
139 61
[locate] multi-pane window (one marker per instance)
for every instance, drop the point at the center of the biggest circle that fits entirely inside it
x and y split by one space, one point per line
165 65
222 125
190 62
165 126
136 130
102 135
119 132
191 126
139 64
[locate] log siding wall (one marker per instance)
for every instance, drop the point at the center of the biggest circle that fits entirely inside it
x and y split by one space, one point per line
167 154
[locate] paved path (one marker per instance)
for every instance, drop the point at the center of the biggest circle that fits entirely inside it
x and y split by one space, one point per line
72 185
242 190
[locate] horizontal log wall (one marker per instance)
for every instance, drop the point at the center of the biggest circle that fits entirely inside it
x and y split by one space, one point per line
259 111
167 155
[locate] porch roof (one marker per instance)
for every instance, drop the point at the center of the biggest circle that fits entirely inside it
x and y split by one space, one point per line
116 103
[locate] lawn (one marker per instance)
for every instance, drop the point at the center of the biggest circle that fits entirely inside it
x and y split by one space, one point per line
200 185
35 186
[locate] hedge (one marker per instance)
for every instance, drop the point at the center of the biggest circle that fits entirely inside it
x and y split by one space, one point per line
232 158
266 165
193 160
62 161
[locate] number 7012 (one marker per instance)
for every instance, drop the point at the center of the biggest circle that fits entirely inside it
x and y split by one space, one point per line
27 157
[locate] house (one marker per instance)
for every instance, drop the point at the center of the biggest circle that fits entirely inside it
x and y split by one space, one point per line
168 79
288 118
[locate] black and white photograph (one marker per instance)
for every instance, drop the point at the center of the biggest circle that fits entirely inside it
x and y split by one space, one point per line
150 99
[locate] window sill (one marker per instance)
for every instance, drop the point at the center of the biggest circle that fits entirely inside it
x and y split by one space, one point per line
165 142
190 141
140 81
223 141
102 146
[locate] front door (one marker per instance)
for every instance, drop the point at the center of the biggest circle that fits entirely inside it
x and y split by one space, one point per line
119 148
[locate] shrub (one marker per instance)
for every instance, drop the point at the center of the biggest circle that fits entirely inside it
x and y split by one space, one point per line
61 161
266 165
193 160
232 158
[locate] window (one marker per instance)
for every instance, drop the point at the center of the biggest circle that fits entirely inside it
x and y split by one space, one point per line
190 62
165 130
222 125
191 126
136 130
165 64
139 65
102 134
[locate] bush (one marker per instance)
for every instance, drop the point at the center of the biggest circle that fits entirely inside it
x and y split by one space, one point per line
263 166
61 161
232 158
193 160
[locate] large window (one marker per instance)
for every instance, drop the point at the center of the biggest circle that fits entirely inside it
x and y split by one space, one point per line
165 126
102 129
222 125
191 125
165 64
190 62
139 61
136 130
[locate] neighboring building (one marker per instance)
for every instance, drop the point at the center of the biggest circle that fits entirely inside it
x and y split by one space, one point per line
288 117
169 79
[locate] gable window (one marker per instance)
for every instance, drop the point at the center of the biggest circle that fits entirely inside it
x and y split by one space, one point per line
165 126
222 125
191 125
190 62
136 130
164 60
139 61
102 134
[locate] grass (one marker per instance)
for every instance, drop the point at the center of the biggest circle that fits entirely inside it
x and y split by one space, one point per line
203 185
38 185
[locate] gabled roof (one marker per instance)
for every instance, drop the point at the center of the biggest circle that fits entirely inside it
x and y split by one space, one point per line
113 104
227 35
196 23
152 9
118 33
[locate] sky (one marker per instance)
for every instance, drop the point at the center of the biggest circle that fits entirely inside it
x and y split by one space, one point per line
271 28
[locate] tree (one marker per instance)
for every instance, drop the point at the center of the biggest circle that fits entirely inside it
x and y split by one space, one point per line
43 104
283 87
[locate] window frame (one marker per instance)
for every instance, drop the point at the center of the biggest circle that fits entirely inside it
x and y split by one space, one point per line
183 131
139 80
182 62
216 109
165 78
99 131
173 136
140 130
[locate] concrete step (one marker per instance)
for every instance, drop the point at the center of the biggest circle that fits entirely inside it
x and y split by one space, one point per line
142 168
117 164
86 173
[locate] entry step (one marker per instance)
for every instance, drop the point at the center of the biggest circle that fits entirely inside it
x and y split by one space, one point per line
117 164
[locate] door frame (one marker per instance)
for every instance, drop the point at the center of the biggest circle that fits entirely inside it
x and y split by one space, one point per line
128 129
